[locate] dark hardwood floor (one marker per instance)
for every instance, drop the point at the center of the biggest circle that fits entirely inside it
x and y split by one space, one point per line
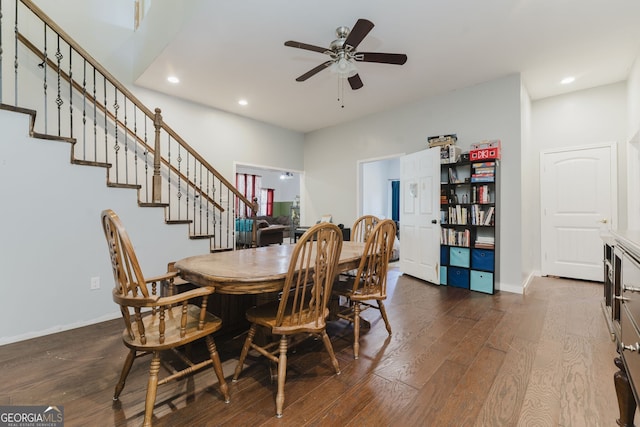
455 358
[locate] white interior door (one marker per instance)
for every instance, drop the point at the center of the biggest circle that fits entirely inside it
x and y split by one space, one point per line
420 215
578 201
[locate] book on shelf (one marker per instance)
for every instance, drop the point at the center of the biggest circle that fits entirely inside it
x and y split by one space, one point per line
484 246
484 164
485 242
483 171
481 194
475 178
453 176
489 216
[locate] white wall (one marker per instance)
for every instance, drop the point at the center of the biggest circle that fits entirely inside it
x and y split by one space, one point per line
577 119
489 110
52 240
528 214
633 146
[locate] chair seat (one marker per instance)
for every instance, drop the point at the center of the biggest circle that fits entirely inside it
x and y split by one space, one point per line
172 329
345 288
265 315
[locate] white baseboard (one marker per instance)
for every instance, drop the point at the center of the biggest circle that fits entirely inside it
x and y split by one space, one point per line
56 329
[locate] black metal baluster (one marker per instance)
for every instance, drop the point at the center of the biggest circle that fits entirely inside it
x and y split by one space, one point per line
208 204
44 67
179 194
95 118
59 101
116 146
126 145
168 172
106 143
186 204
70 94
135 145
146 161
84 109
15 56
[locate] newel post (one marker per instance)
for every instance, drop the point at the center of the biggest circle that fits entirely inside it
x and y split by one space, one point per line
156 193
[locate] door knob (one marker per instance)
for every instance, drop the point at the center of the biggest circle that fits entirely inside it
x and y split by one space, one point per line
604 221
434 221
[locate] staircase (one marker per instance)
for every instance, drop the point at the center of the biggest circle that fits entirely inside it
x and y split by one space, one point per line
71 98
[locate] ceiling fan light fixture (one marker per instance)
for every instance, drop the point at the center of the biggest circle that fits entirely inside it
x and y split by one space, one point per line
344 68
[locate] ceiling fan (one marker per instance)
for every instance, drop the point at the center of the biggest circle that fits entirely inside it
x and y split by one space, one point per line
343 52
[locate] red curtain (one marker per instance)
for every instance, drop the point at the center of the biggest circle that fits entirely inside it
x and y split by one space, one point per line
270 193
247 185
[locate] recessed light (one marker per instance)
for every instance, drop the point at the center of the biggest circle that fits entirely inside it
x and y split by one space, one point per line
243 102
567 80
173 79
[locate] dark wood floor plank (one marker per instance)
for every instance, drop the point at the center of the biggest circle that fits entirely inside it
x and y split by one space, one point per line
541 405
420 358
431 398
505 398
465 402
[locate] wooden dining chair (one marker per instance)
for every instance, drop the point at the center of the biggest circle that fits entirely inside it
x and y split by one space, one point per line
368 288
155 323
362 227
302 308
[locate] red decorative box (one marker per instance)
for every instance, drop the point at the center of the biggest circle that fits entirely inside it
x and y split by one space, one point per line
485 150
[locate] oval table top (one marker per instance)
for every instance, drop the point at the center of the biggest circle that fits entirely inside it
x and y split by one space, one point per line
253 270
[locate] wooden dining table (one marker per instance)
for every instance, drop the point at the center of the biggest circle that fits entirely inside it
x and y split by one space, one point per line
255 270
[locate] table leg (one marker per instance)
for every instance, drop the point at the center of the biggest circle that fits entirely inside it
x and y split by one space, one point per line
626 400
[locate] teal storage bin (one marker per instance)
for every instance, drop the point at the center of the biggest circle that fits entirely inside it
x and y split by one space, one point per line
482 259
481 281
443 275
459 257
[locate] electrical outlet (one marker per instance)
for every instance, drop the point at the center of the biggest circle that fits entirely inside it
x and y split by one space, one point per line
95 283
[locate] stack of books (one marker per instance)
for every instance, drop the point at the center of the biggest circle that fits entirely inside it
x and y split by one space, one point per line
485 242
483 172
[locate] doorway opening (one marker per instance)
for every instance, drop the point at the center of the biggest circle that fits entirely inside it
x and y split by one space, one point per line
376 181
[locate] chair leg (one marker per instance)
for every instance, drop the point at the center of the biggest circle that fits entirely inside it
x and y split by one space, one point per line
282 374
245 350
383 312
128 362
329 347
152 389
217 367
356 329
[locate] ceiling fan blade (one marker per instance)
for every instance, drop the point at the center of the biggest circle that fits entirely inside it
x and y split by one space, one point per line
355 82
385 58
314 71
305 46
358 33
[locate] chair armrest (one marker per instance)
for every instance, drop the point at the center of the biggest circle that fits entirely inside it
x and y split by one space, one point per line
185 296
155 300
166 276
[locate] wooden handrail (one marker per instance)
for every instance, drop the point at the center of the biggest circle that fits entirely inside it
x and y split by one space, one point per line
40 14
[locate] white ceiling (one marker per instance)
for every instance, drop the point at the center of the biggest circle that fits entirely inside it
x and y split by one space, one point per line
235 49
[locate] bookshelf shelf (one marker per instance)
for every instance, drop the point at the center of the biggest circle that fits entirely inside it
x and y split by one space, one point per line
468 208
